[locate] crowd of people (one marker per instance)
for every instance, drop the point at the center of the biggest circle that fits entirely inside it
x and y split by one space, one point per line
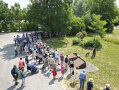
41 53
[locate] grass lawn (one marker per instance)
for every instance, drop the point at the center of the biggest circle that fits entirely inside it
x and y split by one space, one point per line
107 60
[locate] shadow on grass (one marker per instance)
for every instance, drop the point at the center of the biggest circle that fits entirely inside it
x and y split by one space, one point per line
55 42
73 84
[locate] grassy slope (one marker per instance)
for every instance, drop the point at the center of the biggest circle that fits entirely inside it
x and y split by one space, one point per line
107 60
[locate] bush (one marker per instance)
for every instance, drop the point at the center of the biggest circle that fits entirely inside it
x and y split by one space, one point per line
82 43
81 35
75 42
91 43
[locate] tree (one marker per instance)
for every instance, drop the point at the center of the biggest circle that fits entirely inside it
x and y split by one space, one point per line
53 15
106 8
3 15
78 24
98 25
80 7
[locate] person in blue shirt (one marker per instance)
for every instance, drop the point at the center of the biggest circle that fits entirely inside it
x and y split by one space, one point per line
82 79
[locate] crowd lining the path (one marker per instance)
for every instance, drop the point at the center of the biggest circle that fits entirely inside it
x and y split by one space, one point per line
32 44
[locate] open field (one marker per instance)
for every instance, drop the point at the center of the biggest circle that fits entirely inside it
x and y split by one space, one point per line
107 60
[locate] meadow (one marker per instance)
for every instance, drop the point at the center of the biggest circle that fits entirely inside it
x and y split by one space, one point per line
107 60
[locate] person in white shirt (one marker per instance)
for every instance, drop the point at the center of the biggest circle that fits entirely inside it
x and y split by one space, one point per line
76 76
56 57
14 38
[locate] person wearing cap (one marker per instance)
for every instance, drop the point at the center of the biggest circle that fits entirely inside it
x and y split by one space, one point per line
82 79
15 74
90 84
107 87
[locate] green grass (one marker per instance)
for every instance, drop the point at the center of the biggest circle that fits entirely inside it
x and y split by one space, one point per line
113 38
107 60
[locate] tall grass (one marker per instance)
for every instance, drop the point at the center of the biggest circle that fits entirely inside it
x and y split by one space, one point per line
112 38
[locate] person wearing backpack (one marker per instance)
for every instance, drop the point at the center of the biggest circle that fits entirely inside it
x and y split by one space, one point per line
66 62
15 74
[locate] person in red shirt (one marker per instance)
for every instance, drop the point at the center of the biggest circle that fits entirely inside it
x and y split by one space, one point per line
54 71
21 64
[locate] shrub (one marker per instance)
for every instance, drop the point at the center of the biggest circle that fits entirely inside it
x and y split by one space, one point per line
82 43
81 35
91 43
75 42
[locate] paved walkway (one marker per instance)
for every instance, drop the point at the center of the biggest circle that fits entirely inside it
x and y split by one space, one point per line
40 81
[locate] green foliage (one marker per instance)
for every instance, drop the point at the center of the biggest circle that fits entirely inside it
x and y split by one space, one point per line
98 25
81 35
116 21
80 7
78 24
106 8
13 27
54 15
91 43
75 42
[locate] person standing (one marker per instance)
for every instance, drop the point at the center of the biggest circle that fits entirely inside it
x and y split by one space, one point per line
14 40
56 57
107 87
66 42
94 51
71 66
62 69
23 78
66 62
82 79
76 77
15 50
51 62
90 84
15 74
54 72
62 58
21 64
26 49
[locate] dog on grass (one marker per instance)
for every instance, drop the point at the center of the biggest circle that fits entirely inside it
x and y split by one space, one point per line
87 54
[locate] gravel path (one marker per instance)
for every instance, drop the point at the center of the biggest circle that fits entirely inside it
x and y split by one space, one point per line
40 81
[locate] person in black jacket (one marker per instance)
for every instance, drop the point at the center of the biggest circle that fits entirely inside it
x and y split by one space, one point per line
107 87
15 74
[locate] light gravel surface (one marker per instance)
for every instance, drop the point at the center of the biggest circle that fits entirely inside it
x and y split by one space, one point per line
40 81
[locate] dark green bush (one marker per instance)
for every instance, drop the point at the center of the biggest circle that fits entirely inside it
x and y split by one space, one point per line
91 43
82 43
75 42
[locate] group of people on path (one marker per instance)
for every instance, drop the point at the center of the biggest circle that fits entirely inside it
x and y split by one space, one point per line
32 44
